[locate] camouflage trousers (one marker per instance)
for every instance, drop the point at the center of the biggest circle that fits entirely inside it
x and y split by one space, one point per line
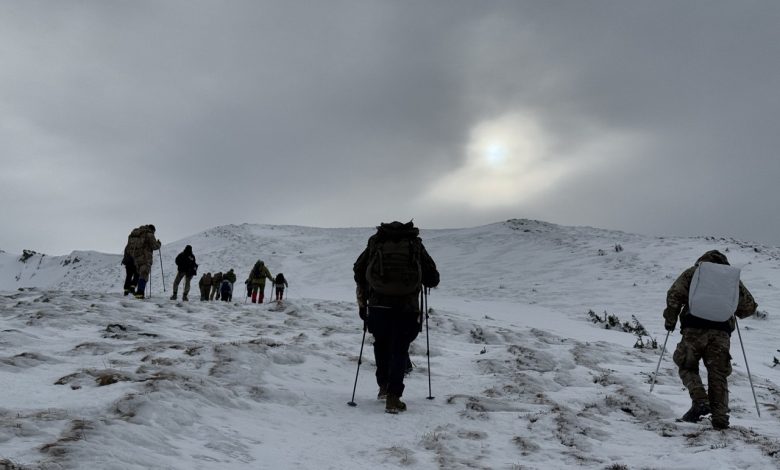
713 347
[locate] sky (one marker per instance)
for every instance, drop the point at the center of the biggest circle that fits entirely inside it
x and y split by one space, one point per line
654 117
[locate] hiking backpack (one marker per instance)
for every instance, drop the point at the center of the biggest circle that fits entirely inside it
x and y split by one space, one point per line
394 265
714 292
225 288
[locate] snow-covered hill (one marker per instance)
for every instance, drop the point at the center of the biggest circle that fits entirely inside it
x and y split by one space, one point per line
521 377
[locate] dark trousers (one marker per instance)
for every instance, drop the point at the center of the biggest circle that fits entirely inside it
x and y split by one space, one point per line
131 277
393 330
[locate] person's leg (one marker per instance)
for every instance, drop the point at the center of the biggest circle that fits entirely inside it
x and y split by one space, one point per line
131 278
377 326
187 280
143 275
686 356
134 279
717 360
176 281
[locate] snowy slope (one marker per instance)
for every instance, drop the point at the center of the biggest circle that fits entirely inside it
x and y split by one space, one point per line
521 377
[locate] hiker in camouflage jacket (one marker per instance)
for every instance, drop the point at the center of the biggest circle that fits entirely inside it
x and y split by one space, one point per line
216 282
704 340
205 286
140 248
394 320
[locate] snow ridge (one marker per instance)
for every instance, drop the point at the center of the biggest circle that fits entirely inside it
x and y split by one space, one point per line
521 377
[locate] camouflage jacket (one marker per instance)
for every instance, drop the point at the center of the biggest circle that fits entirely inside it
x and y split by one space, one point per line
141 245
205 280
677 305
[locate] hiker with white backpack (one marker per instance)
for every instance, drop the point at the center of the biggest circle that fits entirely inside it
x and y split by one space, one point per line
706 298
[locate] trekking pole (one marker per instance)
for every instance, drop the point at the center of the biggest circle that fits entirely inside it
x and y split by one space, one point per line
659 362
159 251
427 342
360 360
750 379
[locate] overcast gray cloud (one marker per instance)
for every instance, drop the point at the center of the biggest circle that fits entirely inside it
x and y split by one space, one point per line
647 116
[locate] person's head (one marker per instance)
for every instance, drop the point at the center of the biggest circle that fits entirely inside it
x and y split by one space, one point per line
713 256
188 249
396 229
260 263
151 227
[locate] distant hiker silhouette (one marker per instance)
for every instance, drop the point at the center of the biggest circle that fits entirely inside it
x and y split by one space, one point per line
205 286
280 283
186 267
139 253
216 283
256 284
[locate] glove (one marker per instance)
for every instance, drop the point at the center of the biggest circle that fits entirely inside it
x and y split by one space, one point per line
670 324
363 312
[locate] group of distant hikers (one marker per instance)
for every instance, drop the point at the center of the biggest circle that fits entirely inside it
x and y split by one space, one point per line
139 256
395 271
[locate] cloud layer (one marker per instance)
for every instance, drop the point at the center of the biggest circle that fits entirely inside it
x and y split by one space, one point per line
655 117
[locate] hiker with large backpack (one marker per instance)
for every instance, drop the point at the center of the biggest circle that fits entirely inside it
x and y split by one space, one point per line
186 267
706 298
141 244
390 274
256 284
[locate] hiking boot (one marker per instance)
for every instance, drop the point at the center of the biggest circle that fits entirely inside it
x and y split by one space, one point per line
139 296
173 297
185 299
382 395
393 404
697 411
127 292
720 424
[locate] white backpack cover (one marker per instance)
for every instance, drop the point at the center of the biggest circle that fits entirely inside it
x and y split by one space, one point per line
714 292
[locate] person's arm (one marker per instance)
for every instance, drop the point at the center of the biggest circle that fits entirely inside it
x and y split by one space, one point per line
747 305
677 298
430 275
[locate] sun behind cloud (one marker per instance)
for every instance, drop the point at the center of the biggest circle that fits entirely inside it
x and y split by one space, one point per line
507 161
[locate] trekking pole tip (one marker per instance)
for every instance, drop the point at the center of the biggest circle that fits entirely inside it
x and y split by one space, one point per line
352 404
